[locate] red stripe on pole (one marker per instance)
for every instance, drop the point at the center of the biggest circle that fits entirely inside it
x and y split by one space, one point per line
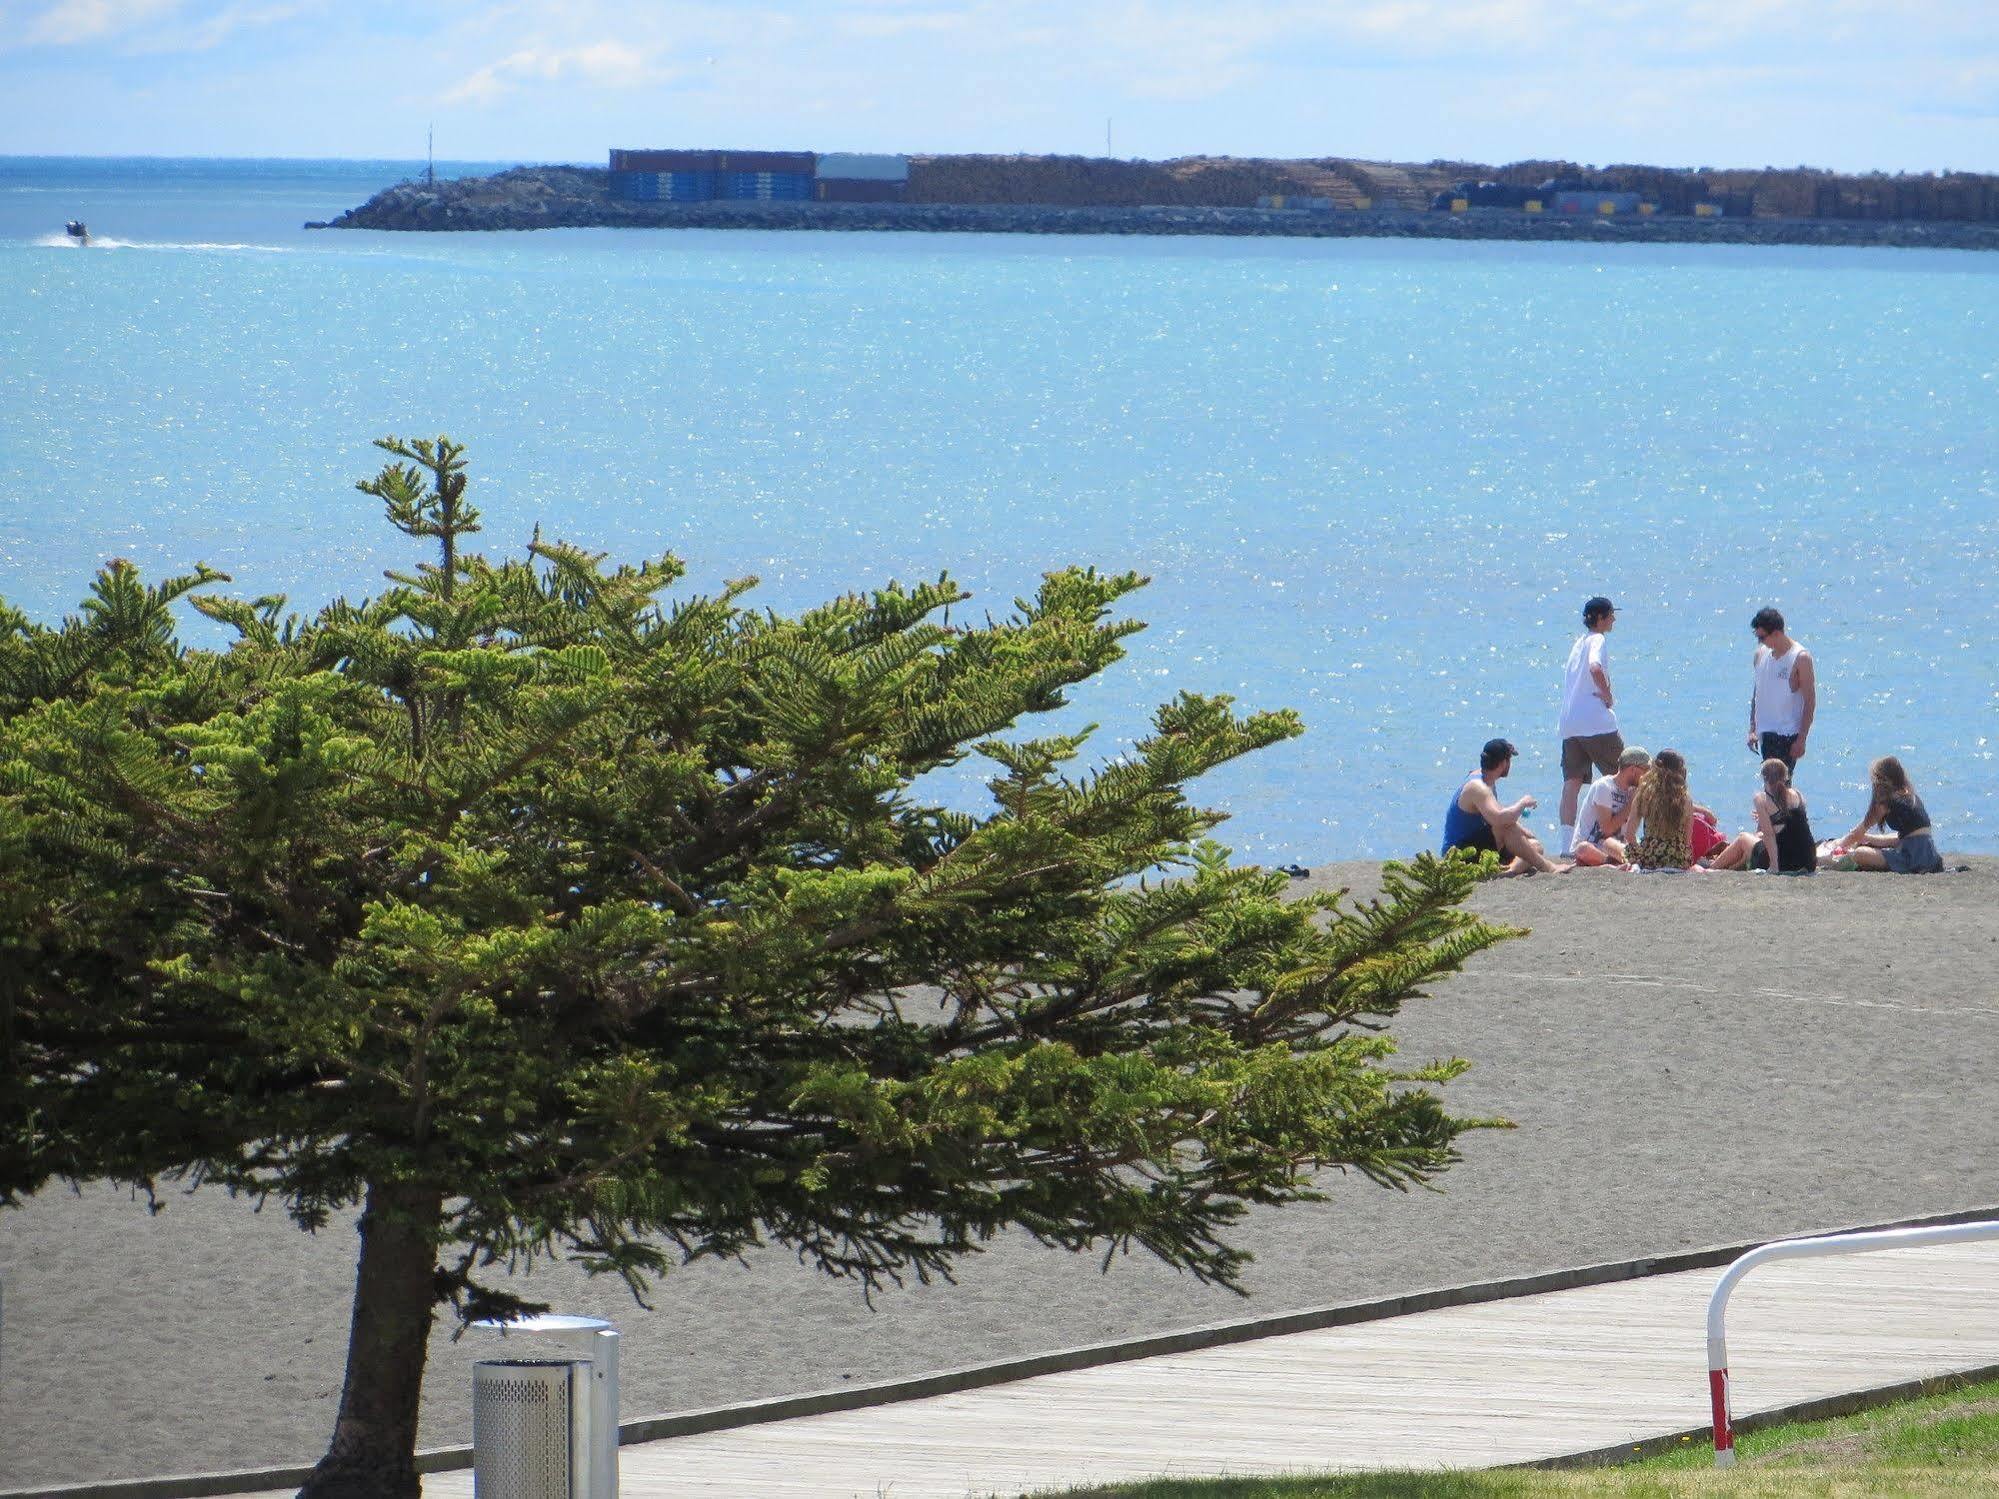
1724 1435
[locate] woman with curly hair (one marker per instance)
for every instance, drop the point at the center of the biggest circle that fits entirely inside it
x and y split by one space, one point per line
1910 847
1662 815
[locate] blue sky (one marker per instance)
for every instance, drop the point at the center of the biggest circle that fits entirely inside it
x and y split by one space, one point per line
1849 84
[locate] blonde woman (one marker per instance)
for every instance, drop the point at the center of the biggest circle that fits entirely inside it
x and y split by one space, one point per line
1659 823
1909 848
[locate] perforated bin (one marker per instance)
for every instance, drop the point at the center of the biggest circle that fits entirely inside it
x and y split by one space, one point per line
525 1444
545 1419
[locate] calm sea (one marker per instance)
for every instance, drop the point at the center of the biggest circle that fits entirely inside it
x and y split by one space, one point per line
1370 480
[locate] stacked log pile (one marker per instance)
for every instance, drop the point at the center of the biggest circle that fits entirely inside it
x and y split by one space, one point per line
1082 181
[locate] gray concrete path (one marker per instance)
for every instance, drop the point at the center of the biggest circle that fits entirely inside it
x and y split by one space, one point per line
1477 1386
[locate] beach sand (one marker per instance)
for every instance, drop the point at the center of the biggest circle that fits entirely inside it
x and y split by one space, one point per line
1690 1060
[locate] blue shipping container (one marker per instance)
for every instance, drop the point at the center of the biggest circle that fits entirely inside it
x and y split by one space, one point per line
663 187
789 186
687 187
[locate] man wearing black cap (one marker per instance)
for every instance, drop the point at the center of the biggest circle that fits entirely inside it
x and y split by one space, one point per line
1588 727
1476 821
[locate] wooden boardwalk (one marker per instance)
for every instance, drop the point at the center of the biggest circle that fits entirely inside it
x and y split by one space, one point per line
1473 1386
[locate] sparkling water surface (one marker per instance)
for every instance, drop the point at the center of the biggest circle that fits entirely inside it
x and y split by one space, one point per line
1371 480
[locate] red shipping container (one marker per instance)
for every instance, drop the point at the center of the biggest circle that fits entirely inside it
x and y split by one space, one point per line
663 161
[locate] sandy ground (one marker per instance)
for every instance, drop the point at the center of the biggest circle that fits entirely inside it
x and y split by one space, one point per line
1690 1060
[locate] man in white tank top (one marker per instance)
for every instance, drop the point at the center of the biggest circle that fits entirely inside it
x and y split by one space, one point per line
1786 694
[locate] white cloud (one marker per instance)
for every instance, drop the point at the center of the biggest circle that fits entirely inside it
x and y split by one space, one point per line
607 64
130 27
879 25
202 33
69 22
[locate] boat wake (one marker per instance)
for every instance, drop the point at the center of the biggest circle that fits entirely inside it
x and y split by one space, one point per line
106 242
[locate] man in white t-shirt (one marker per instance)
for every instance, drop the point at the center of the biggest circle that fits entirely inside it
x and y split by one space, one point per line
1604 811
1588 726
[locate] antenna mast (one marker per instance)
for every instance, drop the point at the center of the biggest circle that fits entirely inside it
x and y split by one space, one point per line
430 155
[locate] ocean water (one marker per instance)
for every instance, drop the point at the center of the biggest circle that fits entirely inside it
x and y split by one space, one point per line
1373 481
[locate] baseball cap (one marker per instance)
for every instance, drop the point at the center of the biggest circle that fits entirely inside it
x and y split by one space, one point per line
1633 755
1598 605
1496 750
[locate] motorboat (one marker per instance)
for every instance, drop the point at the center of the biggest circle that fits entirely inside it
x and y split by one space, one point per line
77 230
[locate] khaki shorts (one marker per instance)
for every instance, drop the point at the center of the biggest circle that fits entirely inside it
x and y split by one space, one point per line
1585 750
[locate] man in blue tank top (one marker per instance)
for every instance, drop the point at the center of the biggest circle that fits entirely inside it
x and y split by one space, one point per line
1475 820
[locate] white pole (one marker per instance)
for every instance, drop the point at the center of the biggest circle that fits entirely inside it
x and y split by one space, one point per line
1799 1249
604 1413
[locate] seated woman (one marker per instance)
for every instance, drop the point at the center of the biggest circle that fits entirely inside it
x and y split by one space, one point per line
1659 823
1783 832
1909 848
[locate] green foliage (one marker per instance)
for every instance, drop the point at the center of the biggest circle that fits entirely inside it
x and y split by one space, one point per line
618 922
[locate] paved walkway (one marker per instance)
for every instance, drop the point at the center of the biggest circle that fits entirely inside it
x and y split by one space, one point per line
1504 1382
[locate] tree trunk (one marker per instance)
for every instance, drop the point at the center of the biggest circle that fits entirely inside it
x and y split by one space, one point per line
373 1453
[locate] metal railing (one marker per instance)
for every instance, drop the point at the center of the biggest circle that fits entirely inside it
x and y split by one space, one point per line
1798 1249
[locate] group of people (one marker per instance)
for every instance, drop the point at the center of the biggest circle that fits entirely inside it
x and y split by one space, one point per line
1638 813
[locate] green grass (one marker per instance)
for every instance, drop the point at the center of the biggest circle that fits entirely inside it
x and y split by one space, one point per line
1942 1445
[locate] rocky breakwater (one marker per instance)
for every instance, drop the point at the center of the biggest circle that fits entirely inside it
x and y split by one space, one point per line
522 198
577 197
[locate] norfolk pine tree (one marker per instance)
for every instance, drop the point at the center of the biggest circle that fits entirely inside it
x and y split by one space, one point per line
537 912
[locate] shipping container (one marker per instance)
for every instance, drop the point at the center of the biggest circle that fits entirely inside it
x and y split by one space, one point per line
785 186
663 161
845 190
687 187
663 187
851 166
788 162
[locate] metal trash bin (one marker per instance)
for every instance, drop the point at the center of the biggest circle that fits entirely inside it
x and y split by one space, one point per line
524 1439
545 1422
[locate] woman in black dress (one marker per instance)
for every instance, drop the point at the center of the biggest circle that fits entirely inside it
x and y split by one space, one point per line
1784 833
1910 847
